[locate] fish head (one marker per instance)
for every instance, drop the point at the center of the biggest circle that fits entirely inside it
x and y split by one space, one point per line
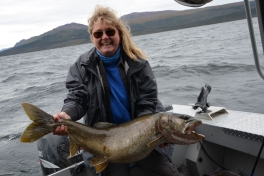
193 3
179 128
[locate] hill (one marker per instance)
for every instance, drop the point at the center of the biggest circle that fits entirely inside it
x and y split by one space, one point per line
151 22
66 35
140 23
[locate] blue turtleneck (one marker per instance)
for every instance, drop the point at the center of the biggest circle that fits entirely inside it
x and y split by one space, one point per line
118 94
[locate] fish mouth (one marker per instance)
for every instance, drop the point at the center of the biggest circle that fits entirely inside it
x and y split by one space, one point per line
199 135
186 139
188 135
190 126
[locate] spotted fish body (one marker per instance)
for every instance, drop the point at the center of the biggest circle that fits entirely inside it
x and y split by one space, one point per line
125 143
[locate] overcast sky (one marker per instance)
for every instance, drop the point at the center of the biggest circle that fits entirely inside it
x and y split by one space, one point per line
22 19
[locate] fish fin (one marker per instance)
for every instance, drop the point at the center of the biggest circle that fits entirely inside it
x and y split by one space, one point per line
152 142
73 146
37 128
99 164
34 113
103 125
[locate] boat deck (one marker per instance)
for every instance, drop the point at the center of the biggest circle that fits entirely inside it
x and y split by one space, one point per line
233 138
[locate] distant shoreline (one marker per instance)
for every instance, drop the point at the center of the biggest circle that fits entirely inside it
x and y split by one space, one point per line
140 24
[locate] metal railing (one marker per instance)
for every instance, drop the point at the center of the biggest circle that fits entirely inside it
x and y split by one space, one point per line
259 8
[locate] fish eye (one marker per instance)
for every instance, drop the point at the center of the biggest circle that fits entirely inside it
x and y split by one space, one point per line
184 117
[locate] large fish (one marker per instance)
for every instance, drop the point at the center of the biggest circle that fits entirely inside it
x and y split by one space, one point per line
125 143
193 3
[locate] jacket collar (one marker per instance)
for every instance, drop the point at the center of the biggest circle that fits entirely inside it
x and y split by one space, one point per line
131 66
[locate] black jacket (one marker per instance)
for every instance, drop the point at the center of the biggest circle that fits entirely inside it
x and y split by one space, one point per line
87 95
88 98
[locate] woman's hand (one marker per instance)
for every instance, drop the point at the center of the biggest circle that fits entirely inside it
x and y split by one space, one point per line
61 130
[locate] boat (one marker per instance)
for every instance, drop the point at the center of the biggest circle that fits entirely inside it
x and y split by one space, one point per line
233 144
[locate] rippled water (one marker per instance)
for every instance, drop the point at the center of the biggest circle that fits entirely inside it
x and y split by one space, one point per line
182 60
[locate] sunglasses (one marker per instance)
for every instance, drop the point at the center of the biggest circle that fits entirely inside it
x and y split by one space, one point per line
108 32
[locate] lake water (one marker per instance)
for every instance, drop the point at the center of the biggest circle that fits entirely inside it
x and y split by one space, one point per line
182 60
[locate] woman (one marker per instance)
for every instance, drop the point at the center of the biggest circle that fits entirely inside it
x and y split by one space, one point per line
114 83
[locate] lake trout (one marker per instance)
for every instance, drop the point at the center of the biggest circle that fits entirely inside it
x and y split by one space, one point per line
125 143
193 3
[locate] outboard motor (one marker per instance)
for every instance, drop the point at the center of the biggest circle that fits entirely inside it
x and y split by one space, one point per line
53 153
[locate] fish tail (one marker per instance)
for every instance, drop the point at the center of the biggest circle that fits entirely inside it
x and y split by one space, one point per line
43 123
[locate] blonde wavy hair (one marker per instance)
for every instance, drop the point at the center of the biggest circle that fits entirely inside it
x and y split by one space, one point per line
109 16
